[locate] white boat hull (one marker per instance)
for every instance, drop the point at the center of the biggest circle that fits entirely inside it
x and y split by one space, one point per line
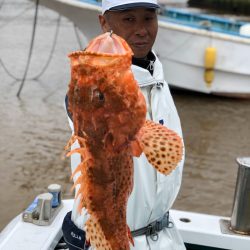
181 50
200 230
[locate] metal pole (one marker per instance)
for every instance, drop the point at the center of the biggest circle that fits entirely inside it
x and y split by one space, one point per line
240 220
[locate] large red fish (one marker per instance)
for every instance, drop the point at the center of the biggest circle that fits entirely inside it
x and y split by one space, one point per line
109 116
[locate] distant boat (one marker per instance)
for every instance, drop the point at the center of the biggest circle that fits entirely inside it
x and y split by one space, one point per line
202 53
205 53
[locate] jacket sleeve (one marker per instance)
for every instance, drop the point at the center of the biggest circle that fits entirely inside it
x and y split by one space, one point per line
69 115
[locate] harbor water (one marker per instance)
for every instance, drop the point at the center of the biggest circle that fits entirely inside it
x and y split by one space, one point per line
34 127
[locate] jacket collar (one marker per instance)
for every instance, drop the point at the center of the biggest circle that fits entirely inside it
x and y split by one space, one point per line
143 76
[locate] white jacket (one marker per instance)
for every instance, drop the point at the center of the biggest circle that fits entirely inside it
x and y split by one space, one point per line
153 193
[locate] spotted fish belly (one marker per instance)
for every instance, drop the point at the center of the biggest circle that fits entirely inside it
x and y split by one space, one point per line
107 181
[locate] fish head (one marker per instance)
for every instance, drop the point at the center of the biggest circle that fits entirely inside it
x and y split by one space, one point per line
104 98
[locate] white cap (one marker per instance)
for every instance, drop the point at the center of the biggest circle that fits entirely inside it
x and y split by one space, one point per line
127 4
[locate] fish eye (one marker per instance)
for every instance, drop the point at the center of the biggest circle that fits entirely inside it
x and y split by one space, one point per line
101 96
98 98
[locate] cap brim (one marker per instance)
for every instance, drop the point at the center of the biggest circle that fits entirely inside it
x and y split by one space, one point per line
134 5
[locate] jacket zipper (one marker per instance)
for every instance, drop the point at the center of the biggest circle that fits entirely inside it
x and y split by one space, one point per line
150 103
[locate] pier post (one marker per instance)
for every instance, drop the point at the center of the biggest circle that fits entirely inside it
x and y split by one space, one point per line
240 220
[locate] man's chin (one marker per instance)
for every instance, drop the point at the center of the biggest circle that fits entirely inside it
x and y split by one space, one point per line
141 54
140 51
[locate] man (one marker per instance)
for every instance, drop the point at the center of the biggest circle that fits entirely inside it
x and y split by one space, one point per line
153 193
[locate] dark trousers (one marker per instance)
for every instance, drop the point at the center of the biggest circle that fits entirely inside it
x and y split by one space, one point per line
74 237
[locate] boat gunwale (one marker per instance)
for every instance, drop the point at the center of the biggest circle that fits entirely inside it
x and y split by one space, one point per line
206 16
91 4
95 5
200 27
165 18
203 32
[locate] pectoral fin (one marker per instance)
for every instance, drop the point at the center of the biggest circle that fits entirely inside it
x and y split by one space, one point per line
163 147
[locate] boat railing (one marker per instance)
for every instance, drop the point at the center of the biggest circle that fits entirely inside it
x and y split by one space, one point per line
96 2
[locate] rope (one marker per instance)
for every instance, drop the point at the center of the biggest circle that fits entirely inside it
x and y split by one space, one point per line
78 37
47 62
24 78
15 17
51 51
30 50
8 72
